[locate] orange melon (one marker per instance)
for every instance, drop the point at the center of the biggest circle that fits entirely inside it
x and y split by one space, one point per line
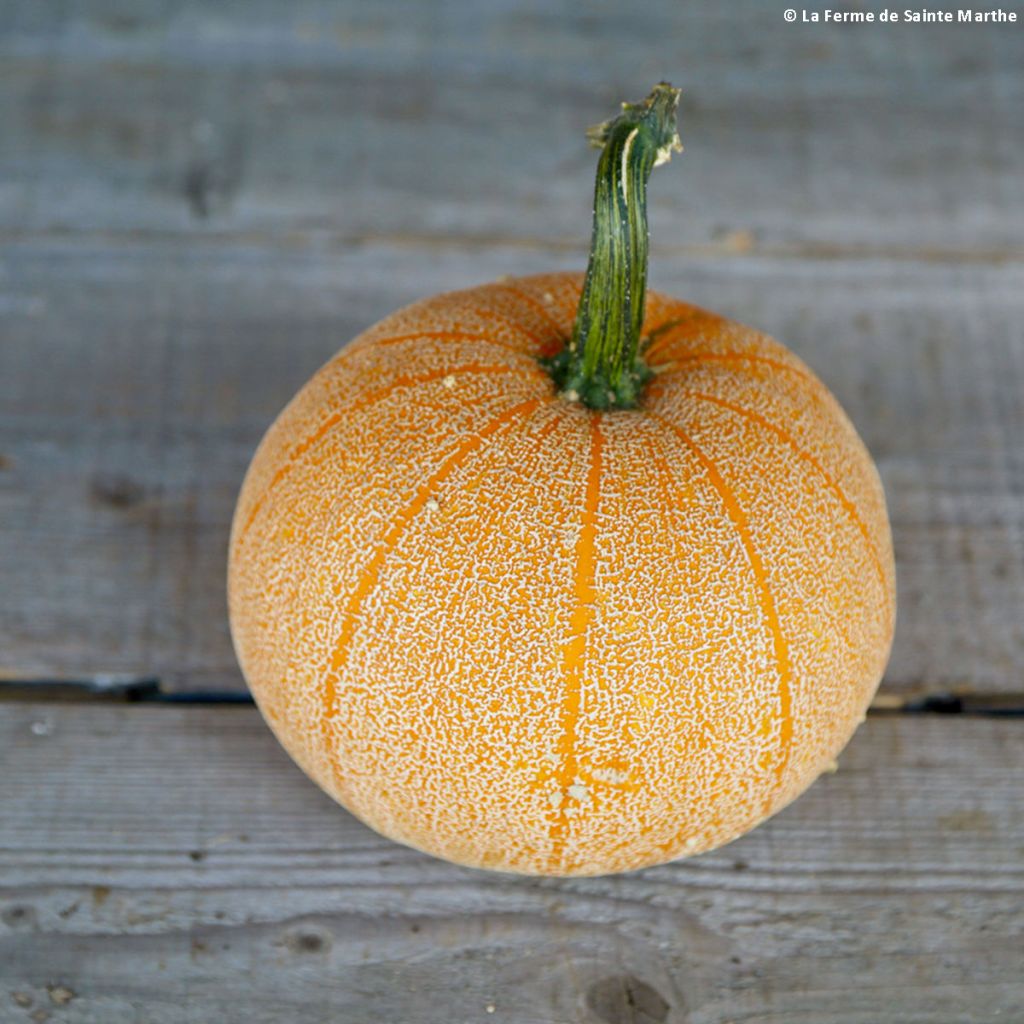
523 631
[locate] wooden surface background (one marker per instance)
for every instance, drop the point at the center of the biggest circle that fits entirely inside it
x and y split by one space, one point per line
199 204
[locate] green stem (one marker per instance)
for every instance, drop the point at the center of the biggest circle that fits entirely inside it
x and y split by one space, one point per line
602 366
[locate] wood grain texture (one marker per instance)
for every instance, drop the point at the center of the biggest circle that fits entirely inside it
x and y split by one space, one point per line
456 119
199 206
232 890
136 377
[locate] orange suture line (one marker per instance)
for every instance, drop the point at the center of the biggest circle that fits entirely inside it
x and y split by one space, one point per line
664 474
335 418
549 427
530 300
732 357
780 646
788 438
573 651
448 336
396 339
653 345
490 314
371 571
357 346
703 742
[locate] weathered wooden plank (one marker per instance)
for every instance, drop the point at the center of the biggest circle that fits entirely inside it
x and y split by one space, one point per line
228 888
136 378
402 119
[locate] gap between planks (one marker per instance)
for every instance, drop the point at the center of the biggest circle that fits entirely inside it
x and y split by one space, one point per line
150 691
733 244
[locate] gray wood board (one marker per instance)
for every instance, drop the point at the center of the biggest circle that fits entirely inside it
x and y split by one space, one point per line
171 865
465 119
137 376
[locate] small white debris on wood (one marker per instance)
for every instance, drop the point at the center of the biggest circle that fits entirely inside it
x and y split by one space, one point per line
449 381
887 702
60 995
41 728
489 1007
739 240
223 838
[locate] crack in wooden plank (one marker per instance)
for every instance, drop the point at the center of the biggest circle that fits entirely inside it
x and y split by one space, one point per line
319 238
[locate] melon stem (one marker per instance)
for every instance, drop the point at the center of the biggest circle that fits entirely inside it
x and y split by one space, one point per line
602 365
